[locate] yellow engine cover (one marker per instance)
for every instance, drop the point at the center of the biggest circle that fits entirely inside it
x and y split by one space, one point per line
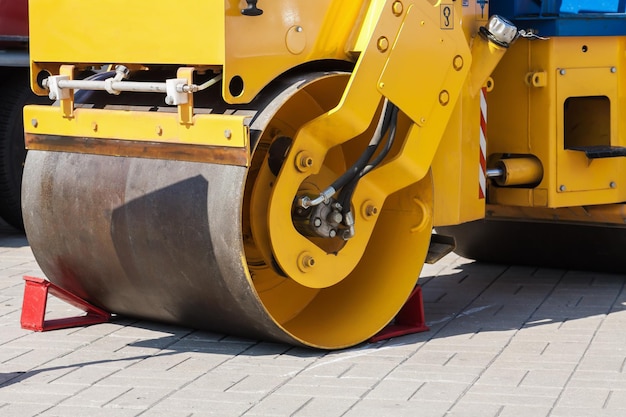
555 99
251 49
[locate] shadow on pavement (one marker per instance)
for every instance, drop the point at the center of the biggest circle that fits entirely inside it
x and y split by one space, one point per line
465 301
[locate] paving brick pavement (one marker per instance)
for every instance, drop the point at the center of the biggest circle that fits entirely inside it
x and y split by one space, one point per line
504 341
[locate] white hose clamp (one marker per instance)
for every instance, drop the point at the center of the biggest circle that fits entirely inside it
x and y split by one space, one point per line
56 92
174 96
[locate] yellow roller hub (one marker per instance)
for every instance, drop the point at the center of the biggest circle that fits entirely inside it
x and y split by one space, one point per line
216 247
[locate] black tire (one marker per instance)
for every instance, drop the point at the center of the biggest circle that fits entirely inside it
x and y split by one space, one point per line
15 94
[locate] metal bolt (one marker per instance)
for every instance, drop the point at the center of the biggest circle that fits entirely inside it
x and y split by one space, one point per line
304 161
335 217
34 122
613 184
613 70
308 261
228 134
444 98
382 44
457 63
332 233
562 72
317 222
397 8
562 188
371 211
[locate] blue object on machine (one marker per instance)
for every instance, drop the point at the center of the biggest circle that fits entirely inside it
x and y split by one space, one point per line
565 17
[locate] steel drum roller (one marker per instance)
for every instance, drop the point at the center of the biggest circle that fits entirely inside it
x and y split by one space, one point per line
175 241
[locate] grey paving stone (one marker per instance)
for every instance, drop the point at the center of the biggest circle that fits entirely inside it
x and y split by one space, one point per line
281 405
595 398
140 398
95 396
465 408
396 389
585 412
65 411
321 407
525 411
378 408
326 387
20 409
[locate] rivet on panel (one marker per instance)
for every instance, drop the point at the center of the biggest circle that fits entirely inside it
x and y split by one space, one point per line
305 261
490 84
371 211
228 134
562 188
613 184
382 44
444 98
457 63
397 8
562 72
34 122
304 161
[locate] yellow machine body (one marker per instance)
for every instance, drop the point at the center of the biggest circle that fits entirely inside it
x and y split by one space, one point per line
551 98
276 170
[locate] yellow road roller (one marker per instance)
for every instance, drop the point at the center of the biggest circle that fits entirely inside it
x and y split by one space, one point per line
275 169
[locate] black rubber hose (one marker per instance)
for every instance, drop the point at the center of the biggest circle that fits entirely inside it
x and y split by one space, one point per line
346 193
356 168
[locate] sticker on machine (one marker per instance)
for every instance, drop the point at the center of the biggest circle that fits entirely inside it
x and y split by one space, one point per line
447 16
482 9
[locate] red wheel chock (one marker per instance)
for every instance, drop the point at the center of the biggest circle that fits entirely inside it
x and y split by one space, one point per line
410 319
34 307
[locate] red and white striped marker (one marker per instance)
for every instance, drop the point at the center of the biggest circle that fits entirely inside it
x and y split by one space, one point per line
482 170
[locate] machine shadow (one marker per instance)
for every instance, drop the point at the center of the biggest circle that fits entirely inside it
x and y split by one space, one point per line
472 298
11 237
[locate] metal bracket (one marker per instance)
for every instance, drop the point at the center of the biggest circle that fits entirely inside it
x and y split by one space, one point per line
56 92
185 108
66 98
175 97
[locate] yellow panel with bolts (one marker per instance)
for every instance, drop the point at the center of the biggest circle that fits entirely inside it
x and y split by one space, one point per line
253 50
434 86
287 34
213 130
594 91
554 99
